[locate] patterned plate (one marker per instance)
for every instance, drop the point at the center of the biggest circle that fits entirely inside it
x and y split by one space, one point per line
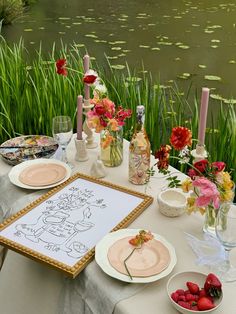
39 146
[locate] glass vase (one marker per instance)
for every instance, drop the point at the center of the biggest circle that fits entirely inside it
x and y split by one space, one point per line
210 220
111 143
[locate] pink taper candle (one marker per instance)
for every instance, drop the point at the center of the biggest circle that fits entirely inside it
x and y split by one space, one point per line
86 86
203 116
79 117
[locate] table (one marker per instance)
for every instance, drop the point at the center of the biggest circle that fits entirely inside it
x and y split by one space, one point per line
20 294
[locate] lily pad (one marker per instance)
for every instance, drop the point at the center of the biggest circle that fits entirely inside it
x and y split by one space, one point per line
118 66
216 96
155 48
232 61
183 46
116 48
143 46
91 35
164 43
28 30
202 66
212 78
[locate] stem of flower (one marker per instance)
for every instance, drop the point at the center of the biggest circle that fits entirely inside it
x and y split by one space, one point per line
187 163
126 267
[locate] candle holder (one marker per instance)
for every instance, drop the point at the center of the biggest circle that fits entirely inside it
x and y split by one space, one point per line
81 152
90 138
199 153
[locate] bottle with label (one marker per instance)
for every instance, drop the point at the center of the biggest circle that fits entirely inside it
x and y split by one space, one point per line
139 151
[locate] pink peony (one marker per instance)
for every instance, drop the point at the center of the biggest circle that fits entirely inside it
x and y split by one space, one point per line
208 192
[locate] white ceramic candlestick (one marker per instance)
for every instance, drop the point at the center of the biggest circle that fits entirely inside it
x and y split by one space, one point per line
81 152
90 138
199 153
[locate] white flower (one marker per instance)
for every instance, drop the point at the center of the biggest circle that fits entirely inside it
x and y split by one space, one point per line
184 155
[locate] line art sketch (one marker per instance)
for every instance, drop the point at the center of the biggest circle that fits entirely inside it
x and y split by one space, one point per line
59 226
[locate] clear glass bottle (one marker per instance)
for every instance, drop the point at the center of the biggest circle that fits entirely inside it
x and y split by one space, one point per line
139 151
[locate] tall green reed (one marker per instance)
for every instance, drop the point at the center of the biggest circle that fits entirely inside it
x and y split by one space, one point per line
31 93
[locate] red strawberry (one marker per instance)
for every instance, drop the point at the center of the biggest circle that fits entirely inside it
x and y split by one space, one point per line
193 287
192 303
186 305
180 291
202 293
182 298
186 292
212 286
190 297
174 296
194 308
205 304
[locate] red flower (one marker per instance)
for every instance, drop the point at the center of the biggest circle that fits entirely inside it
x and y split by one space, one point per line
180 137
201 165
89 79
218 166
60 64
163 156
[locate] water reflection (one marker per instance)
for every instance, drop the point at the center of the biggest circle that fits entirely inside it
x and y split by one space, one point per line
176 40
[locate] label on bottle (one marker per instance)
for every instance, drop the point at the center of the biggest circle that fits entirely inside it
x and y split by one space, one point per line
139 164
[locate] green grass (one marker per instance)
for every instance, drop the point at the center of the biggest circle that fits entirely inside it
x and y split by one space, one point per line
31 93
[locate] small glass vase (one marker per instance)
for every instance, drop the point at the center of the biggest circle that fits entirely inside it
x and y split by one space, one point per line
111 143
210 220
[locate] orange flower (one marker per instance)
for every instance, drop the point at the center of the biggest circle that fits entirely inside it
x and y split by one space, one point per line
108 139
180 137
113 123
141 237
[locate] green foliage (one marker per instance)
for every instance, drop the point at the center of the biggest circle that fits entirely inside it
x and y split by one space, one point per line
32 93
10 10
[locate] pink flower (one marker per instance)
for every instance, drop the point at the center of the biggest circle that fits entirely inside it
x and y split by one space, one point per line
208 193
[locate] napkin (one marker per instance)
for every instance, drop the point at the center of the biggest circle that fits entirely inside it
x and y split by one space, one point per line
209 251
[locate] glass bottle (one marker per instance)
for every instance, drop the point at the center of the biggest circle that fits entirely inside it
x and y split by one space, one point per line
139 151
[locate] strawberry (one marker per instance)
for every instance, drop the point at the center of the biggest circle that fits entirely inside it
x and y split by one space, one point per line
213 285
194 308
186 305
174 296
190 297
205 304
186 292
192 303
202 293
182 298
180 291
193 287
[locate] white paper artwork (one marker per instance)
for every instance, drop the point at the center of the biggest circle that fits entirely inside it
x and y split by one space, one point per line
72 221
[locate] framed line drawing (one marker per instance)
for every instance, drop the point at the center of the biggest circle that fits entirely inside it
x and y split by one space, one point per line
62 227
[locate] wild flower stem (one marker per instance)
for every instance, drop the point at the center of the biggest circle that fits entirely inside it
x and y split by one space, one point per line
126 259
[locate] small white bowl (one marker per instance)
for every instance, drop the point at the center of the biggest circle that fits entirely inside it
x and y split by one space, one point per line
178 281
172 203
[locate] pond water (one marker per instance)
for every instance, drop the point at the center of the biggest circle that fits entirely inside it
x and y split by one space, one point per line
182 41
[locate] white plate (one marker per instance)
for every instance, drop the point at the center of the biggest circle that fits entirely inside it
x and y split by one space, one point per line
103 246
16 171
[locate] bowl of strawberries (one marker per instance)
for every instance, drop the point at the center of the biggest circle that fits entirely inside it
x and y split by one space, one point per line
191 292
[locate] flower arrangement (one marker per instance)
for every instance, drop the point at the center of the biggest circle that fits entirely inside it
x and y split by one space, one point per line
107 118
209 182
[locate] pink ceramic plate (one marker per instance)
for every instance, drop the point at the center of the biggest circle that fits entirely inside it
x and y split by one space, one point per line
151 259
42 174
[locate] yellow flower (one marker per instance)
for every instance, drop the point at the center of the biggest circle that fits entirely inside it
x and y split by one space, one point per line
191 207
186 185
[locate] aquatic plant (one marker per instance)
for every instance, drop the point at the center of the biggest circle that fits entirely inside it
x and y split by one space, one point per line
31 93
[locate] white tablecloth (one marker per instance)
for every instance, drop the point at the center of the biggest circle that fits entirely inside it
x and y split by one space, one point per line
28 287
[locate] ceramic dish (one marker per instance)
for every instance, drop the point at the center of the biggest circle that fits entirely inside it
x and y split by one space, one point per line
102 257
34 146
172 203
178 281
16 173
151 259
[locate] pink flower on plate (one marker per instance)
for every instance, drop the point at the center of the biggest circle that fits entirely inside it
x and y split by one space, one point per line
208 193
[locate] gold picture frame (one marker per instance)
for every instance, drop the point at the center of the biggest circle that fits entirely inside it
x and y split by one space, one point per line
16 233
